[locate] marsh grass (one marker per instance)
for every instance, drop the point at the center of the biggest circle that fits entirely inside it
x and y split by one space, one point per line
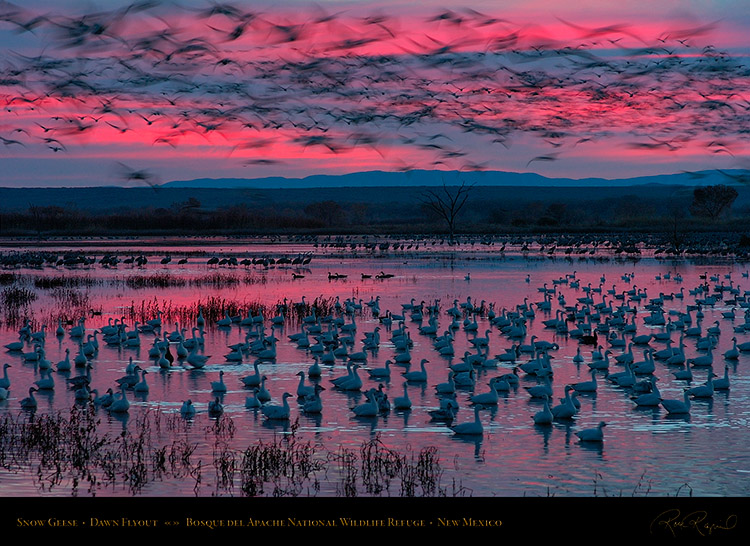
68 452
215 308
154 280
44 282
7 278
15 304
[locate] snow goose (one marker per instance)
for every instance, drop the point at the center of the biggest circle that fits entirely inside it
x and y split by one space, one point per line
649 399
540 391
5 380
703 360
471 428
419 376
313 404
304 390
252 402
403 402
734 352
381 373
722 383
489 398
187 409
120 404
706 390
685 374
447 387
592 434
64 365
545 416
30 401
142 385
215 408
367 409
275 412
195 360
219 386
352 382
586 386
566 409
677 407
45 382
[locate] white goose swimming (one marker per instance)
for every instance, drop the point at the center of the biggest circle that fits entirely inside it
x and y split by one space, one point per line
313 404
566 409
281 412
648 399
30 401
381 373
262 393
703 360
196 360
314 370
142 385
447 387
369 408
706 390
417 376
586 386
45 382
219 386
540 391
472 428
490 398
403 402
545 416
592 434
187 409
722 383
677 407
253 380
64 365
304 390
120 404
252 402
734 352
5 380
215 407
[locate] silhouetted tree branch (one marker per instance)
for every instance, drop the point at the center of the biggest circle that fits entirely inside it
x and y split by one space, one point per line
447 203
712 201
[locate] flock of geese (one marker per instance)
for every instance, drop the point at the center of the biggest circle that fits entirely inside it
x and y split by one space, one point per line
612 328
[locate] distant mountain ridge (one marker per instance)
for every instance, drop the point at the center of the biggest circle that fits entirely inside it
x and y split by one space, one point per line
451 178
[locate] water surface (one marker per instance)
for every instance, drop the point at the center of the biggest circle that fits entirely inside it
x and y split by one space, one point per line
645 452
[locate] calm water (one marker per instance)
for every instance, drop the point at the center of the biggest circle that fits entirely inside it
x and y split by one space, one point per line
645 452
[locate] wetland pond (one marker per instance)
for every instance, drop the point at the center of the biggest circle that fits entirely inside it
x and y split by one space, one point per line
490 302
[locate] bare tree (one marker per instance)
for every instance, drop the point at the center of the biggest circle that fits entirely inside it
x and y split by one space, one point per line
447 203
712 201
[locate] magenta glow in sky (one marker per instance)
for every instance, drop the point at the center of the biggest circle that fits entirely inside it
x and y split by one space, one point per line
127 93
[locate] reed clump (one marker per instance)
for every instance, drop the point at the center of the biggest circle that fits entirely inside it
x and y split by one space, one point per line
64 281
216 280
286 465
15 304
154 280
14 297
413 474
71 451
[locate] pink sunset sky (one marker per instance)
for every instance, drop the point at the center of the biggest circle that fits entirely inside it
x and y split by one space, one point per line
130 92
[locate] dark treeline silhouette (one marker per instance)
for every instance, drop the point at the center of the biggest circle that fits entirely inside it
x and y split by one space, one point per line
487 210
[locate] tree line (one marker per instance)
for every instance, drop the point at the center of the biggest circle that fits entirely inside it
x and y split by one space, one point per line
447 210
